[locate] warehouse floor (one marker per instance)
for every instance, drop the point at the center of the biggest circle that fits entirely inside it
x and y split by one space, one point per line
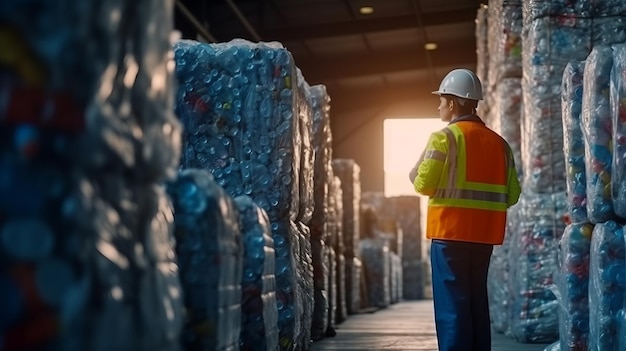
406 326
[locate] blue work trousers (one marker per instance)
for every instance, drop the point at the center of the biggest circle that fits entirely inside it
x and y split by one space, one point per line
459 278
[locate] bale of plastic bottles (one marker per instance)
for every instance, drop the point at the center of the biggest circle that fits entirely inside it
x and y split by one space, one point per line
534 246
259 313
618 119
607 271
210 254
555 34
376 268
354 272
322 146
508 116
86 254
390 219
333 300
305 296
321 288
320 224
573 9
505 54
349 173
597 133
573 286
246 110
399 217
239 104
396 278
573 142
286 237
482 53
307 153
336 237
501 274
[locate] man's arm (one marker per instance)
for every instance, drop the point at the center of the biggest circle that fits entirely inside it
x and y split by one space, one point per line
413 172
430 167
514 190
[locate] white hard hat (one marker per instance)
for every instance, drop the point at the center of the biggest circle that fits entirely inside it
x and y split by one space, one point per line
462 83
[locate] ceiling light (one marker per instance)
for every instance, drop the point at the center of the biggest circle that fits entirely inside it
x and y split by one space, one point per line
366 10
430 46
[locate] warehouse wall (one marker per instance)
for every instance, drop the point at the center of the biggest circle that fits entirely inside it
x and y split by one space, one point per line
359 136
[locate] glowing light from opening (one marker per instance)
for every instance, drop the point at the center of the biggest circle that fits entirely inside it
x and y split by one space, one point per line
404 140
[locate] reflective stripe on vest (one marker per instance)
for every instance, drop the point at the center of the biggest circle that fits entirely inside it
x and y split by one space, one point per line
465 194
435 155
453 192
452 151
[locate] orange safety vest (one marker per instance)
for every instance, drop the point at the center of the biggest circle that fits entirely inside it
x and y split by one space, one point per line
469 173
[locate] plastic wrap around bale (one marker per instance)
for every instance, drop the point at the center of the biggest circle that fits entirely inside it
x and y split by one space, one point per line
337 234
396 278
597 133
573 142
340 279
350 174
618 117
550 43
505 53
606 279
84 266
500 276
534 246
482 54
406 211
334 223
73 89
286 235
322 146
573 286
210 253
567 9
508 117
239 104
391 217
306 293
376 260
354 271
137 257
333 300
307 153
259 314
320 258
86 253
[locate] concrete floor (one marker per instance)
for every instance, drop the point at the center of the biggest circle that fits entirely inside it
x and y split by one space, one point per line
406 326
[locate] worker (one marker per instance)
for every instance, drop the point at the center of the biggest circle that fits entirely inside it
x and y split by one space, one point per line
468 172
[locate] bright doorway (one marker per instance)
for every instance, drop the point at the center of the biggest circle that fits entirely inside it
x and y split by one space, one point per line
404 140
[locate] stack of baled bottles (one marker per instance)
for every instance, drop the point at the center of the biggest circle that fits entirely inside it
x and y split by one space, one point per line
554 33
248 118
88 135
592 283
503 89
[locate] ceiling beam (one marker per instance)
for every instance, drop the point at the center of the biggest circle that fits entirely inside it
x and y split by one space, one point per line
367 26
323 70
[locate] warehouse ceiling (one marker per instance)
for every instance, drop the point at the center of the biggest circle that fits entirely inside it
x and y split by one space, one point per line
368 61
